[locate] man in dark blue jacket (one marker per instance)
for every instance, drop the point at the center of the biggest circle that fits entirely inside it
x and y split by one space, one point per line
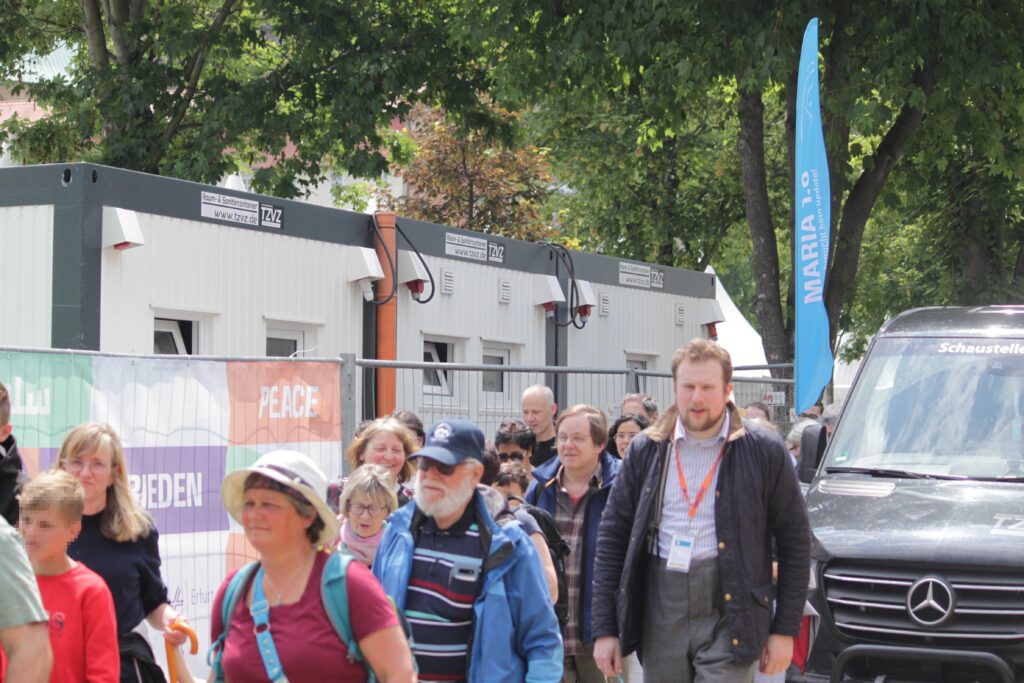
683 572
574 488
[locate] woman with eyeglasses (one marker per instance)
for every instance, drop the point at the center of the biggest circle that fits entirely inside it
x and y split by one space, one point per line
624 430
515 443
385 441
367 501
118 541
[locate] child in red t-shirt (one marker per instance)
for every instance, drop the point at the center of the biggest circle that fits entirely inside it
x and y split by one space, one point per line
83 628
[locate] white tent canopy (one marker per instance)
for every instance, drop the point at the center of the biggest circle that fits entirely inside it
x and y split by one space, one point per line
737 335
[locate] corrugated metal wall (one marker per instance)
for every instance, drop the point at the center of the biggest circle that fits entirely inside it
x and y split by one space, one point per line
235 282
471 319
640 325
26 278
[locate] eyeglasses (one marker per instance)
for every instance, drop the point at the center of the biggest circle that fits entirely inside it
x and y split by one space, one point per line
625 436
358 509
95 466
518 456
426 464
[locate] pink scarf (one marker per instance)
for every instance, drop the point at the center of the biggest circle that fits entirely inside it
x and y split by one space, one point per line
362 547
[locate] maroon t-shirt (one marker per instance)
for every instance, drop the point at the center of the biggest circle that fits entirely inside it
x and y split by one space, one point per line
306 642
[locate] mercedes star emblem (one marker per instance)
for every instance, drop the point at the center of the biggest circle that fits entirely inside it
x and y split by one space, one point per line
930 601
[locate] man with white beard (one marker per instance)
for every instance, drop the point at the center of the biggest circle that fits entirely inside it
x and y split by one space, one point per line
473 593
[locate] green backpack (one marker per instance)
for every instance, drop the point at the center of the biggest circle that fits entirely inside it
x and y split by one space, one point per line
333 595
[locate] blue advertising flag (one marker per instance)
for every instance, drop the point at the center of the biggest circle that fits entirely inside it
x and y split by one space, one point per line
812 200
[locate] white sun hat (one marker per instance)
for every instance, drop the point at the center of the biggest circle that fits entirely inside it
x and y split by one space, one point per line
294 470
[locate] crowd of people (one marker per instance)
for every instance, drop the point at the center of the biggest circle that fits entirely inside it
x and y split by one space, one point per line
671 546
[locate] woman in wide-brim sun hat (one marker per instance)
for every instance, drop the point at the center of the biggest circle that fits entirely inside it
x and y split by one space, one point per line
279 501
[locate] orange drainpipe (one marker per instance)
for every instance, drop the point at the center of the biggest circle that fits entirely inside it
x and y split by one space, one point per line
387 316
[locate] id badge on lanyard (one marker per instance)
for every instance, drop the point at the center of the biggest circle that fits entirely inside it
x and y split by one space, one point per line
680 553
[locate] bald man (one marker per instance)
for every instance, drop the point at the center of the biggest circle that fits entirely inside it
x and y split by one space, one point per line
539 410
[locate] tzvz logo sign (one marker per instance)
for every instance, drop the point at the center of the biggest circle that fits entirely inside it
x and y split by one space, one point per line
271 216
1008 525
657 278
495 252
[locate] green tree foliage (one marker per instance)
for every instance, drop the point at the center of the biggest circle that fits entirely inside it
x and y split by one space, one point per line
467 179
949 233
627 192
893 73
199 88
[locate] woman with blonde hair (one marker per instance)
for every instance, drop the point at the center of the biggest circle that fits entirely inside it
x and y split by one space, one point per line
367 501
118 541
386 442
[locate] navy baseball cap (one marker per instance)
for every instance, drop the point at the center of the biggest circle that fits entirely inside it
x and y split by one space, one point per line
451 442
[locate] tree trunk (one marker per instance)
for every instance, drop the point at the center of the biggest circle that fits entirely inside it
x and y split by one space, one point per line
789 313
470 195
767 306
862 198
835 115
1017 283
117 19
93 26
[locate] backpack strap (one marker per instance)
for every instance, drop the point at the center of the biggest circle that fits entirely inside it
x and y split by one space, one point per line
260 611
233 594
654 521
334 596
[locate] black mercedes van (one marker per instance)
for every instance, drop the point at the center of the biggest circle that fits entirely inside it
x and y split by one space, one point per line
917 508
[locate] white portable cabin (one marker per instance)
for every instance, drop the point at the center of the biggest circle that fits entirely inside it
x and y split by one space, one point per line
110 260
488 308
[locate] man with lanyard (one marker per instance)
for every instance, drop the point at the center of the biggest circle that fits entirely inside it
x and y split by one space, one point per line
683 572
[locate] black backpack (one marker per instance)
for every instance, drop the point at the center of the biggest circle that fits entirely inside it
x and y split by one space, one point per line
560 550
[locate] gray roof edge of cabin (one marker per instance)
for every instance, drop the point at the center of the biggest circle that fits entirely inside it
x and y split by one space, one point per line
72 183
538 257
58 184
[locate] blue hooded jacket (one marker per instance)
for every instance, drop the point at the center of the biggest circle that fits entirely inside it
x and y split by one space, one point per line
515 631
543 493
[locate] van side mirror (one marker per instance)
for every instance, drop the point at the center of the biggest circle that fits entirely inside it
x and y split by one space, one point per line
812 448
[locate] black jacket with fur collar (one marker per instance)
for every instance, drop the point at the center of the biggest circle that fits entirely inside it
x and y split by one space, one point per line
758 508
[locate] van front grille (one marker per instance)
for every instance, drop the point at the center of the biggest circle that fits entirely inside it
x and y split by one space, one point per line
954 608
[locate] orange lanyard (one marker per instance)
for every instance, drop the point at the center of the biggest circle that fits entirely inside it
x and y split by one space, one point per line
703 487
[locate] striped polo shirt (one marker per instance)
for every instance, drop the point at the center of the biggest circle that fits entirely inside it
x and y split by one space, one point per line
445 581
696 456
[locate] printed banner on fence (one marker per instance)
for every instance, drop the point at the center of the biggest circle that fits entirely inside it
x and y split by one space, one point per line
185 424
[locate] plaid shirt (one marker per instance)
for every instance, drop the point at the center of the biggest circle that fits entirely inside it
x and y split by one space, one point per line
569 519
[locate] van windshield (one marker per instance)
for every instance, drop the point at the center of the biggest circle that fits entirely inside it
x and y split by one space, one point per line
937 406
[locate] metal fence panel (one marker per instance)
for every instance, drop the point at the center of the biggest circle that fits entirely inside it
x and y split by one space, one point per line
487 395
185 422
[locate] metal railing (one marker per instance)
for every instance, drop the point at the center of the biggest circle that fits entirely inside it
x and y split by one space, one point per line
488 394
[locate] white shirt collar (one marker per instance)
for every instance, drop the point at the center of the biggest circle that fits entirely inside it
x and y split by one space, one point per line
722 433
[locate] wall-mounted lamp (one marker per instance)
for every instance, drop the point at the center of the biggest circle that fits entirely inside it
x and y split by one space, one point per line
710 313
121 229
547 293
364 268
412 274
